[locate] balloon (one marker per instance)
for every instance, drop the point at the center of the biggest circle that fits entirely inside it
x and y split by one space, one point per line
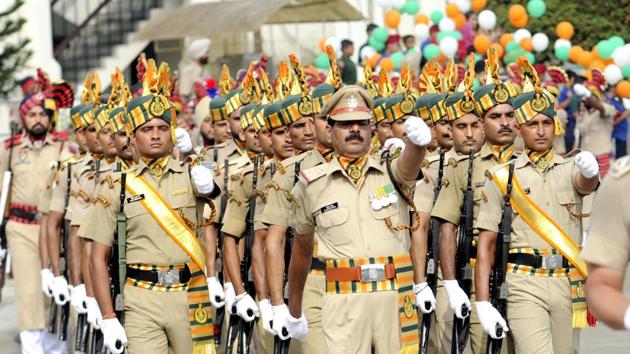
522 22
564 30
585 58
621 56
598 64
378 46
446 24
387 64
398 4
431 51
460 20
475 84
531 57
516 12
521 34
512 46
463 5
481 43
411 7
421 31
623 88
367 52
536 8
527 44
625 71
479 5
505 39
605 49
498 48
384 3
455 34
322 44
561 43
477 58
448 46
574 53
613 74
335 43
562 53
321 61
392 19
436 16
540 41
487 20
397 59
422 18
452 10
616 41
379 34
373 61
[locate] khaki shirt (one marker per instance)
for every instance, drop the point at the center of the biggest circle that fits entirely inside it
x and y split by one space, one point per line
237 160
146 240
58 199
279 196
608 241
454 183
596 129
554 192
327 202
425 188
86 186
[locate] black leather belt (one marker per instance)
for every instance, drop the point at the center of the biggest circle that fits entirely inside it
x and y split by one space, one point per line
30 216
316 264
165 278
552 261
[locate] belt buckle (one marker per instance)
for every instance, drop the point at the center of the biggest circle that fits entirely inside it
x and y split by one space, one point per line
168 277
552 261
372 272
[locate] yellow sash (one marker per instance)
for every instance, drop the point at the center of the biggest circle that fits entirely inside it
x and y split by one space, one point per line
200 310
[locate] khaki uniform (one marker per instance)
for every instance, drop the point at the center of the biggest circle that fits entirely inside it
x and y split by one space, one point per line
83 197
608 244
539 306
218 153
350 230
276 212
154 320
448 208
31 166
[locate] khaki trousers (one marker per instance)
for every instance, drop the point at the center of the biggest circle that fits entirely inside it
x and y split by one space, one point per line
314 291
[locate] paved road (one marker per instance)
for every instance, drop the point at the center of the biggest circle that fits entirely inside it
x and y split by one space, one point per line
597 340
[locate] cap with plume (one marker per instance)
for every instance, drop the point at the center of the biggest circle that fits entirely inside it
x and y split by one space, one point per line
368 81
118 110
403 103
385 90
50 97
430 105
323 92
494 92
299 104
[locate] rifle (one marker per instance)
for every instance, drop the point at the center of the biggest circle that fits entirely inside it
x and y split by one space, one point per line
65 310
224 198
463 269
282 346
498 286
4 197
433 253
121 230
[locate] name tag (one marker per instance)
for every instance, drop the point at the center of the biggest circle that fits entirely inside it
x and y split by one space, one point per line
480 184
329 207
135 198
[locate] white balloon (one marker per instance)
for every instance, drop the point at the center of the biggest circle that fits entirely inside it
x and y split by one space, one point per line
621 56
421 31
398 4
464 5
448 46
446 24
612 74
384 3
487 20
561 43
335 43
540 42
367 52
521 34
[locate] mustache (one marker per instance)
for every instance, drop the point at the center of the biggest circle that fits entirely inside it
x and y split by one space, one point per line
505 130
354 136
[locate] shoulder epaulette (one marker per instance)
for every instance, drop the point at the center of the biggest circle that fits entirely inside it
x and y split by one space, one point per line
572 153
620 167
17 140
236 177
311 174
293 159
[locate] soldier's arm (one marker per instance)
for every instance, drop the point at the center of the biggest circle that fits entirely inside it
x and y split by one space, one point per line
408 165
274 262
447 207
604 294
258 264
53 226
234 226
585 185
74 256
43 243
419 246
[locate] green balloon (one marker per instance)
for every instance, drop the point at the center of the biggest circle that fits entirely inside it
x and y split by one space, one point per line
605 49
536 8
476 84
436 16
376 44
379 34
616 41
321 62
411 7
531 57
431 51
477 58
455 34
397 59
625 71
562 53
512 46
512 56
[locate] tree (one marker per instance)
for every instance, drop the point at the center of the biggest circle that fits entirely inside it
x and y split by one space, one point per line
13 51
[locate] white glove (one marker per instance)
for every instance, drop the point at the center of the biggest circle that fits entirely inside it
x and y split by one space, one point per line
626 103
280 326
417 131
626 319
298 327
77 299
47 281
490 318
586 162
60 290
113 334
217 296
266 315
246 307
424 295
457 298
230 297
94 316
392 144
581 90
182 140
202 178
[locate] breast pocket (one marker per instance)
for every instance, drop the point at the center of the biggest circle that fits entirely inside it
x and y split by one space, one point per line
391 218
570 206
330 225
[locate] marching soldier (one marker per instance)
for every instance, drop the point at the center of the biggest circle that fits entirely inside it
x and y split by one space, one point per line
544 276
365 269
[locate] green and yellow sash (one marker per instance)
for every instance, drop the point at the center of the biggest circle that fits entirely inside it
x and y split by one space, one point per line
554 235
200 310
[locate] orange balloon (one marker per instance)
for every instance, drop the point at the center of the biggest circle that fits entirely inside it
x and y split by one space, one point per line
481 43
574 53
585 59
588 75
498 48
460 20
526 43
452 10
373 60
516 12
505 39
322 44
422 18
521 22
392 19
564 30
623 88
387 64
596 54
598 64
478 5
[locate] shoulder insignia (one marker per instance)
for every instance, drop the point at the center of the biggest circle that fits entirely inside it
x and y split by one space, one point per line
445 182
273 185
17 140
232 198
620 167
425 163
452 162
281 169
484 197
311 174
101 199
236 177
